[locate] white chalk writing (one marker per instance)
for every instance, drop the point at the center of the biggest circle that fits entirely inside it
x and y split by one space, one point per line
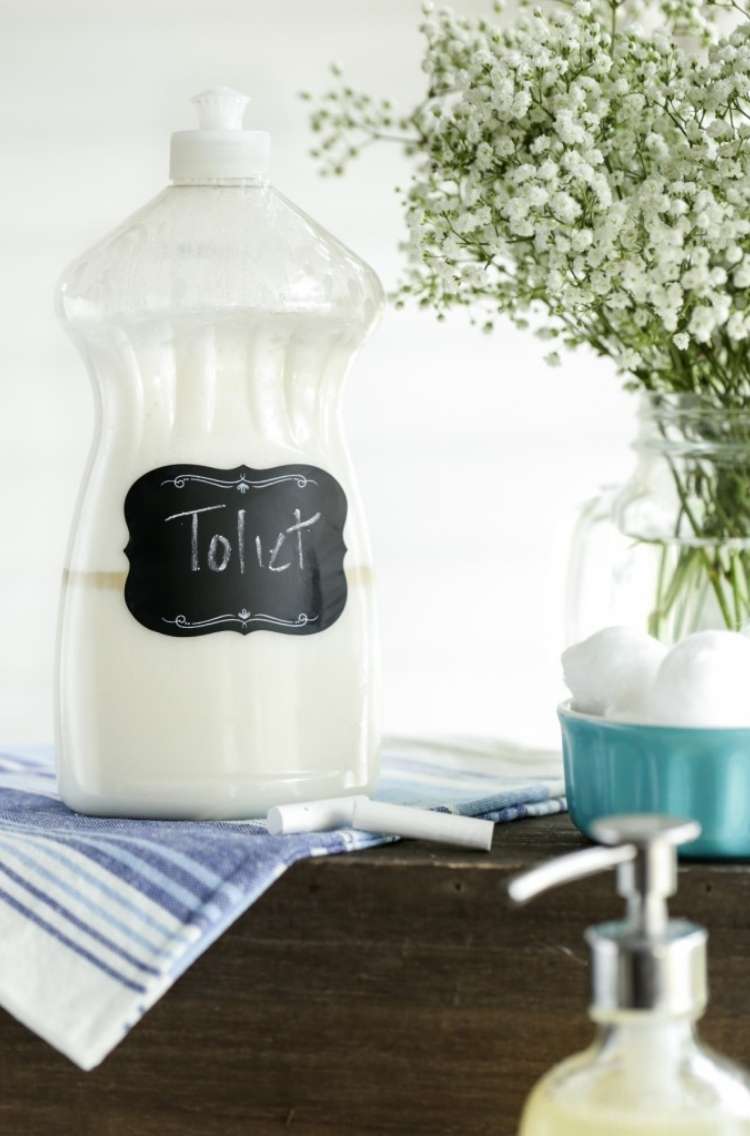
220 549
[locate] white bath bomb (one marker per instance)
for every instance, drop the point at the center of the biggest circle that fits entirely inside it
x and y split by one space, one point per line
704 681
611 671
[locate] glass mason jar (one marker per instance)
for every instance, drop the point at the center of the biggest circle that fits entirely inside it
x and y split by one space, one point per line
669 551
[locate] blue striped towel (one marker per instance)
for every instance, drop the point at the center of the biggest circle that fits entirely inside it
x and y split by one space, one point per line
99 917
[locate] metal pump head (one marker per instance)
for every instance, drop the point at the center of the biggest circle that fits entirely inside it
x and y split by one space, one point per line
646 961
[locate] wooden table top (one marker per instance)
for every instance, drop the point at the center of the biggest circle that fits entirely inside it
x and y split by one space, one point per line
388 991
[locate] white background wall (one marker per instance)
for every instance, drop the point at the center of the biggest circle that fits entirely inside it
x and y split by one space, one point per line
473 455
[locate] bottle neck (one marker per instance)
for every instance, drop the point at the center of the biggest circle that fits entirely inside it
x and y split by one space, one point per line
644 1031
645 1046
214 183
690 452
681 426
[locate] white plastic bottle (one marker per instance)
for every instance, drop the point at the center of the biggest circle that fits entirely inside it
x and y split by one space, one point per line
646 1073
227 661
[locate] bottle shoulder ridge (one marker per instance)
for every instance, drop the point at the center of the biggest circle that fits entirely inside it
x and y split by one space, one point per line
231 247
337 247
102 245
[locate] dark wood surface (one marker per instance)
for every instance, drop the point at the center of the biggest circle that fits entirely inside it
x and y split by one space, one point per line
390 991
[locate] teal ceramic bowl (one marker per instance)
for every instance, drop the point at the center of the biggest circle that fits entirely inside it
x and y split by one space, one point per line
701 774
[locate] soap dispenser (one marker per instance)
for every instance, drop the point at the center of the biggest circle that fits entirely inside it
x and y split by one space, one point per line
646 1072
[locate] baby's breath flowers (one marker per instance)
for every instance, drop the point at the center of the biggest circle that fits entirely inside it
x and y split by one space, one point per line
589 178
580 173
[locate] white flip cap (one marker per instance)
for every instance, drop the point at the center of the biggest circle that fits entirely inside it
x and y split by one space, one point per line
376 816
219 149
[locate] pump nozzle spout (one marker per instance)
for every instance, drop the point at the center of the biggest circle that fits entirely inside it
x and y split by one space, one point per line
649 878
642 848
575 866
645 962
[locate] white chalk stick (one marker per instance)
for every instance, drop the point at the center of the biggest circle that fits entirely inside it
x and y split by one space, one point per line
422 824
375 816
312 816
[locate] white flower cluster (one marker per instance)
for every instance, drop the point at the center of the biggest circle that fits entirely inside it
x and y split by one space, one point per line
600 178
591 176
584 173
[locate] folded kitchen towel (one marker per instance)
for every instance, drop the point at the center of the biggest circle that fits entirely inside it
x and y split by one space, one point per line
98 917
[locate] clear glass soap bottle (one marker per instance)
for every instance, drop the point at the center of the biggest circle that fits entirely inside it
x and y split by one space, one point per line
646 1073
217 652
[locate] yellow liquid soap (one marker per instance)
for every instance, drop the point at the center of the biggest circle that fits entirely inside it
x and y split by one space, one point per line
550 1118
644 1080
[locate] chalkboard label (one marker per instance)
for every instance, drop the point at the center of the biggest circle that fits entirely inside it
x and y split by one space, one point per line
236 550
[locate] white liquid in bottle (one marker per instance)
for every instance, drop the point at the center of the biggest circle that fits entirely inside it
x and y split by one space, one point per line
218 324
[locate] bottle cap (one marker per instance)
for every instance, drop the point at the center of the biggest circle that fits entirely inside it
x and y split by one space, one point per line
219 150
646 962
